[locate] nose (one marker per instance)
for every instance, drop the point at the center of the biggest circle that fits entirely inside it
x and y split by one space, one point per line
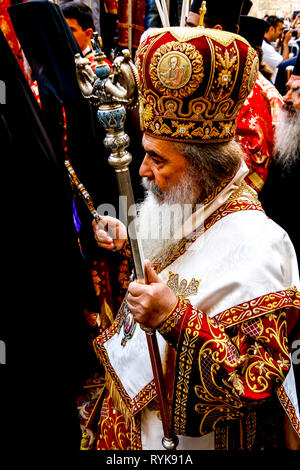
146 168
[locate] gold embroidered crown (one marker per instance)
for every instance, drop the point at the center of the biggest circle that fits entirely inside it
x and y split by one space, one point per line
194 82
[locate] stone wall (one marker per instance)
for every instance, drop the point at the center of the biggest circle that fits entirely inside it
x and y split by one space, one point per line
274 7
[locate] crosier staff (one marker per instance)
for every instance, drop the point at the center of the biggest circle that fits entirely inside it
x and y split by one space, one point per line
83 193
85 196
111 93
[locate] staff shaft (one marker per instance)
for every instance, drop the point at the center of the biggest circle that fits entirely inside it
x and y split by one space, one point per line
120 161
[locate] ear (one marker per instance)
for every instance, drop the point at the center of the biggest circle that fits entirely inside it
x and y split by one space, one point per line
89 32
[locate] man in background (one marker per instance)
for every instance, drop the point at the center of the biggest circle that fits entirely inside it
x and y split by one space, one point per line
280 194
270 56
259 114
80 19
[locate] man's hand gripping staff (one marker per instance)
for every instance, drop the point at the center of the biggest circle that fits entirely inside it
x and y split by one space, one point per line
150 300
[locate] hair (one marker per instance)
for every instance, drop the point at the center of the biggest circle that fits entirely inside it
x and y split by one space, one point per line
263 67
80 12
273 21
214 163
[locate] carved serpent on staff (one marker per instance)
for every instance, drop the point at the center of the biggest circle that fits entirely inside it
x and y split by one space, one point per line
101 86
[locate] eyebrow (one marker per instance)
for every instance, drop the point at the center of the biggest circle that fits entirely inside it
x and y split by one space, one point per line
292 87
152 153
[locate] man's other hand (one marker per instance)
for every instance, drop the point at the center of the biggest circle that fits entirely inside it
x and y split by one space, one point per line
110 233
150 303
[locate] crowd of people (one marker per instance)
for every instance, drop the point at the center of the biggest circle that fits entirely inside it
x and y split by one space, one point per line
215 144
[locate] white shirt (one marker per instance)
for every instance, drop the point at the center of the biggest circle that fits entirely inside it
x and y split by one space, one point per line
271 57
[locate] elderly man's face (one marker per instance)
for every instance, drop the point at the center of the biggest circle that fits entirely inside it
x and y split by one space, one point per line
163 163
292 96
287 131
172 191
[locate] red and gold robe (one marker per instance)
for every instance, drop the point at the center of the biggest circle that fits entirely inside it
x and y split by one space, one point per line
255 129
224 346
138 9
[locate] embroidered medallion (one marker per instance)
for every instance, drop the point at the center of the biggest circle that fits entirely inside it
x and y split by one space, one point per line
174 70
177 69
127 324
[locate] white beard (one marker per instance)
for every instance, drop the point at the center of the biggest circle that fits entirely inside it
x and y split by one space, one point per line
160 219
287 138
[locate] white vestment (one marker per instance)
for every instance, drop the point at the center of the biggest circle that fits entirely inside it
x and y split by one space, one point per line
240 257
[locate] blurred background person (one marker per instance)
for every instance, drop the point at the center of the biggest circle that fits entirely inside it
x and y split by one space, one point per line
80 20
259 113
273 31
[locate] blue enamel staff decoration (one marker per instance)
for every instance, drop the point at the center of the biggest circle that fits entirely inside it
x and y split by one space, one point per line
111 93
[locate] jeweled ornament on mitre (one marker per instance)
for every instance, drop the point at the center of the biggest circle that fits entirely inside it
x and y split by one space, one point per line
193 82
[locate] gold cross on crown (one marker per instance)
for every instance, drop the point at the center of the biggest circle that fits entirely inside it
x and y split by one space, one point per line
202 12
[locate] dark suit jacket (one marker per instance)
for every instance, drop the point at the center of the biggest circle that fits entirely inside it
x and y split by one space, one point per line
281 77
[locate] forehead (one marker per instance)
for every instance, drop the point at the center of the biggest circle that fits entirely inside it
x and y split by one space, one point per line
73 23
163 148
156 144
294 82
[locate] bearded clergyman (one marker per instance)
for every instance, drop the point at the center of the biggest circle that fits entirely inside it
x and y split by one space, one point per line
281 192
281 195
221 278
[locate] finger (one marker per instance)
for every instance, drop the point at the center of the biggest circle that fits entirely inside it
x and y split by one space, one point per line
107 244
103 236
136 289
97 225
132 302
103 222
134 307
150 274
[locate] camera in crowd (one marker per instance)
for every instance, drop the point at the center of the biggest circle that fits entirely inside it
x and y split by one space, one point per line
294 32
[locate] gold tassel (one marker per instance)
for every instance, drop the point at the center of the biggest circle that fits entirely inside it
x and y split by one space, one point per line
107 310
85 440
119 403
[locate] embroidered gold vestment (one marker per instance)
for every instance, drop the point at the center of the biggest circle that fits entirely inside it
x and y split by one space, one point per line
224 346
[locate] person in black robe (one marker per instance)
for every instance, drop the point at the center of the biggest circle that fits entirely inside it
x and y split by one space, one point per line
45 279
50 47
282 74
